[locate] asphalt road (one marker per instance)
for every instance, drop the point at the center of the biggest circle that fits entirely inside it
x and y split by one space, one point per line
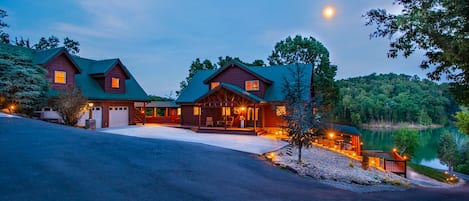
44 161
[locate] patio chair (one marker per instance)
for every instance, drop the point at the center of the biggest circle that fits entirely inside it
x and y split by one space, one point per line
209 121
229 122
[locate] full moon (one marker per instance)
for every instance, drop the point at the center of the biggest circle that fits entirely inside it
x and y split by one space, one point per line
328 12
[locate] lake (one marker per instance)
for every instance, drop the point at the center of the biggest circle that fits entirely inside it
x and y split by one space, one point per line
426 153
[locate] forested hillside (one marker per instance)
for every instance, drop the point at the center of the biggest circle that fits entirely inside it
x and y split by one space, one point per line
393 98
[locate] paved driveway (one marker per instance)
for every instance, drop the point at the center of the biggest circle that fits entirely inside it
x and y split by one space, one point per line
244 143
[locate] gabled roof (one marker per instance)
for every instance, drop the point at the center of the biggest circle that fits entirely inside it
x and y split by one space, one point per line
42 57
102 67
88 85
274 92
93 90
233 89
240 65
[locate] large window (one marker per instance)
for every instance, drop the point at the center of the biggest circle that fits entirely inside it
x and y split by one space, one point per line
196 110
252 85
253 114
280 110
226 111
115 83
213 85
60 77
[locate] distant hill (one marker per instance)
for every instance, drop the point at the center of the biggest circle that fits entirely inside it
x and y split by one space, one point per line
392 98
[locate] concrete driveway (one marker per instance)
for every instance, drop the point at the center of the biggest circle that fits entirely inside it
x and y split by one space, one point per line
244 143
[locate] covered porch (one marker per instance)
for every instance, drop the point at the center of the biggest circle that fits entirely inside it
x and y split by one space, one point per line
229 108
342 138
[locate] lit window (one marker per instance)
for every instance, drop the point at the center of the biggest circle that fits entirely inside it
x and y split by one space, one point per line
226 111
252 85
60 77
115 83
280 110
179 111
196 110
213 85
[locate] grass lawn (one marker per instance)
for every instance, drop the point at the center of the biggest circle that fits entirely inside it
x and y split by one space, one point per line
434 173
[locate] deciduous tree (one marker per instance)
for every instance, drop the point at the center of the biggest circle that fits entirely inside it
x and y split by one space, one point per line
447 150
309 51
438 27
70 104
462 122
406 141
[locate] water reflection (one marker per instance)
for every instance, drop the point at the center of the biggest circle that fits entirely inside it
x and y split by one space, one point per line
426 153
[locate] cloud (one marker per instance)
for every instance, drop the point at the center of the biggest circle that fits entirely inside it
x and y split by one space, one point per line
109 18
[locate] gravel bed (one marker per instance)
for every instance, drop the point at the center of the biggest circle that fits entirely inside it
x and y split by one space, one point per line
338 170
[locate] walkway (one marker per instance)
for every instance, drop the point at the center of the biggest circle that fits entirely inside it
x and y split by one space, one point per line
244 143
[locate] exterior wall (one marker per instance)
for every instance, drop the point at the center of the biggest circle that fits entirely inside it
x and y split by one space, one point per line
237 76
105 106
270 117
187 116
116 72
61 63
171 117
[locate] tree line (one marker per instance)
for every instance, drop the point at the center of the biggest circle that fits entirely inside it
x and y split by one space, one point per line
393 98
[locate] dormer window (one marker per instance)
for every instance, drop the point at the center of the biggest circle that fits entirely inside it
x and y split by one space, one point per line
214 85
252 85
60 77
115 83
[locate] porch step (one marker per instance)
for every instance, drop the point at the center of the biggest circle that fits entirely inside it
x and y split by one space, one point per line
222 131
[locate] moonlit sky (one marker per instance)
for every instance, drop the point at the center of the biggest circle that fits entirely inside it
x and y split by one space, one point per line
157 40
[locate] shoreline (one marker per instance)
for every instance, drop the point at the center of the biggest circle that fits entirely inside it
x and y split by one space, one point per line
391 126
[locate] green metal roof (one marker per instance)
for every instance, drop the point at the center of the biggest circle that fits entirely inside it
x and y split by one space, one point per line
234 89
92 90
88 85
103 66
340 128
43 56
274 92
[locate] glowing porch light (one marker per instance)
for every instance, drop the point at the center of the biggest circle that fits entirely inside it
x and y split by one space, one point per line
331 135
394 150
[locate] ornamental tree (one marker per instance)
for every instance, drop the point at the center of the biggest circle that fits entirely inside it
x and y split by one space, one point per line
70 104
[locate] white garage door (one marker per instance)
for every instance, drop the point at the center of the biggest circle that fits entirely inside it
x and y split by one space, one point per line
118 116
97 115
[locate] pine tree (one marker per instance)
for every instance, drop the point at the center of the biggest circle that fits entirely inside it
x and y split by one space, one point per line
301 124
21 82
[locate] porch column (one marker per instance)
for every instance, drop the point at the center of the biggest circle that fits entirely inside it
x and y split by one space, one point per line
166 113
154 111
200 114
255 117
144 115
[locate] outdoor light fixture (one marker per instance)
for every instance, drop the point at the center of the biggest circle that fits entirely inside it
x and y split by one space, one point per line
12 107
331 135
394 149
90 105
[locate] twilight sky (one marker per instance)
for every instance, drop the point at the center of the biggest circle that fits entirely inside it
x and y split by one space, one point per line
157 40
